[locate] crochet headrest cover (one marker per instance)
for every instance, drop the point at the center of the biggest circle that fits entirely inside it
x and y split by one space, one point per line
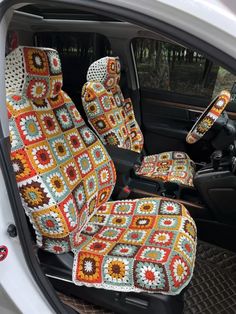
33 72
106 71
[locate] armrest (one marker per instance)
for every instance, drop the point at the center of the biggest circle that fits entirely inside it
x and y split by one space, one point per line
123 159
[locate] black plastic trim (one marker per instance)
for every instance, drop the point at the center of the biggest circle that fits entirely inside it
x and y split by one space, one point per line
174 97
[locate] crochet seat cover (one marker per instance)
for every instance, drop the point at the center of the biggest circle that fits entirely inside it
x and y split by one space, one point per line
65 178
112 117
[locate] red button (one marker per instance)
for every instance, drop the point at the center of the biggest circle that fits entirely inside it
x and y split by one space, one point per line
3 252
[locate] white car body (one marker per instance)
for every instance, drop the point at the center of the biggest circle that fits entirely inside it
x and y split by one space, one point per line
213 21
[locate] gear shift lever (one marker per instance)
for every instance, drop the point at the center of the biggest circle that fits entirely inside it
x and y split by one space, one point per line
169 189
216 159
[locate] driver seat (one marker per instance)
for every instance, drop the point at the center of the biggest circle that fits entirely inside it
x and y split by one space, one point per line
112 117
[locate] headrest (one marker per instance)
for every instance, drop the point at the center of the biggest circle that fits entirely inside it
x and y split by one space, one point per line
33 72
106 71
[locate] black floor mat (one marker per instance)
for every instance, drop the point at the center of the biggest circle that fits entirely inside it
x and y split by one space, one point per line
82 306
213 286
212 289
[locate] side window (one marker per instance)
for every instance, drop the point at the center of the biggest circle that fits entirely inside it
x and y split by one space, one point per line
174 69
77 51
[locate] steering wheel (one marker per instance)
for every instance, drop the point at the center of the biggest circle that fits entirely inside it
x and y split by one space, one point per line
208 117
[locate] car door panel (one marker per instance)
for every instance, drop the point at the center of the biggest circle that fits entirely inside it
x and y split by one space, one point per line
166 125
176 84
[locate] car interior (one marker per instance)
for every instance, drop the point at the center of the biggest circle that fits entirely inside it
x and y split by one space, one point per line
137 133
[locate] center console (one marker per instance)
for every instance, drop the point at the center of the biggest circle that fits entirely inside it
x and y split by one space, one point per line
216 184
212 197
129 185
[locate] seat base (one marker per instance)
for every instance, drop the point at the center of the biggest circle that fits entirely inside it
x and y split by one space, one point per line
139 187
143 245
214 271
58 268
121 302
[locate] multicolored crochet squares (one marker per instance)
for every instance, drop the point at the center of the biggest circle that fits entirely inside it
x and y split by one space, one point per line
113 119
137 245
54 154
38 78
110 115
169 166
65 175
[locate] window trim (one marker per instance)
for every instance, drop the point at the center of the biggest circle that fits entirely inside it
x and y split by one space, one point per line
171 96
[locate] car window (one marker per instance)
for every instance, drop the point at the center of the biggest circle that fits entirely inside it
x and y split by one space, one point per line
172 68
77 51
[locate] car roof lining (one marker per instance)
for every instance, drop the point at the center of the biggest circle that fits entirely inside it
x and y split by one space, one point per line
151 25
37 23
63 11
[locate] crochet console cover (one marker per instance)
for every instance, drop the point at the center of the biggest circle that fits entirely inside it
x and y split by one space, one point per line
168 166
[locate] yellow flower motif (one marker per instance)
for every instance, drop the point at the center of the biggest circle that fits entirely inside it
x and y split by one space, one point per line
92 206
57 184
205 125
116 269
146 208
92 107
88 268
152 255
33 195
122 208
118 221
37 60
60 148
179 168
190 229
20 166
164 156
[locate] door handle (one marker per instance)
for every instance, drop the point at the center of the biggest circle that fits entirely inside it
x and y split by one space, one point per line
193 115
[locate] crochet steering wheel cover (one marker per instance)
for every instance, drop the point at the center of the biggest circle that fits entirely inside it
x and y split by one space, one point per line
208 117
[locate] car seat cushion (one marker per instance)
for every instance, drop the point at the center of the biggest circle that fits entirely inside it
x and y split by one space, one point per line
121 130
137 245
111 116
168 166
63 172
